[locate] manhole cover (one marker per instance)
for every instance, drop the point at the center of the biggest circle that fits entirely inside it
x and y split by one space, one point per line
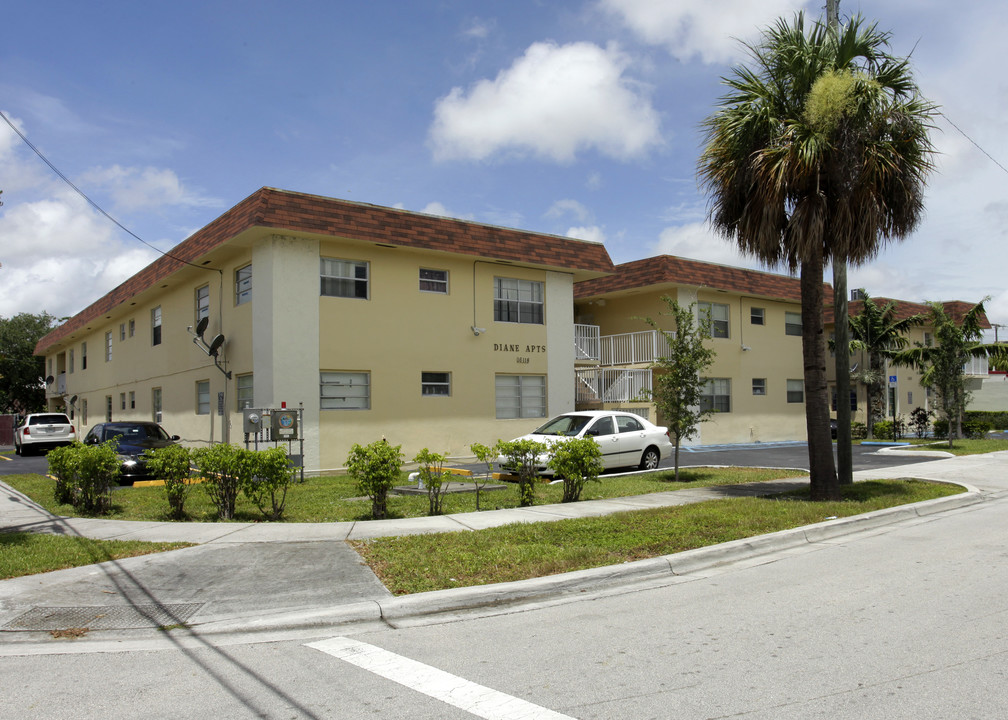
104 617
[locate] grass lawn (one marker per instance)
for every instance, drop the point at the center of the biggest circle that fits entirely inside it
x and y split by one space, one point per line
963 447
23 553
419 563
336 498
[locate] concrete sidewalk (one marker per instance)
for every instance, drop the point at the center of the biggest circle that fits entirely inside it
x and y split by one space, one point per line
254 577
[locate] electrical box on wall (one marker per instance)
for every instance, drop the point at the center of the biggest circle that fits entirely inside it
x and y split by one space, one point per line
255 420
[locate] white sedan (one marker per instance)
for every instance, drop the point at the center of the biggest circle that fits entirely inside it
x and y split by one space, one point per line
41 431
627 440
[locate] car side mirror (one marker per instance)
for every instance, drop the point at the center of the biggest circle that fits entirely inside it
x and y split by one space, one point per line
175 437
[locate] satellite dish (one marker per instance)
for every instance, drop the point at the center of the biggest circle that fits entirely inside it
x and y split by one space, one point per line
49 379
215 345
201 326
73 399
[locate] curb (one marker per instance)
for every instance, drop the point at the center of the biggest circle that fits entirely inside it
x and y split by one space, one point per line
501 598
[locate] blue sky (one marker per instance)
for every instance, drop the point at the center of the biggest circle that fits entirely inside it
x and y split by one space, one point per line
578 118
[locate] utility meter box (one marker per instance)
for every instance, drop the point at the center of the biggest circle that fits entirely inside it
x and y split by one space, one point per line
285 424
254 420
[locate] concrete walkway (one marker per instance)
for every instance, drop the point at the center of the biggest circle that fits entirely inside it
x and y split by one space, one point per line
245 578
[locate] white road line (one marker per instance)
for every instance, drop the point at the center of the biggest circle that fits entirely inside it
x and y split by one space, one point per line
476 699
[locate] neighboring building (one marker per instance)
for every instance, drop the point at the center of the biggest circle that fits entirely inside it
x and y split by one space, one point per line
428 331
756 382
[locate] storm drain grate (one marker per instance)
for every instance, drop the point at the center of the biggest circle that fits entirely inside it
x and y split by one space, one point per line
104 617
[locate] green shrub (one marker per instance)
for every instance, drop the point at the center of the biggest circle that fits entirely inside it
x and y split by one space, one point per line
858 430
883 430
97 471
920 421
522 458
172 465
376 467
941 428
431 469
577 461
976 429
997 418
63 467
226 470
273 475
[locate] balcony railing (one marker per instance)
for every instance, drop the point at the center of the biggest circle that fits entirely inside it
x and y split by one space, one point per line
586 343
613 385
636 348
976 366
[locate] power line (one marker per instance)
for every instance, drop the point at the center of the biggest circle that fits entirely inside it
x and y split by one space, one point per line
91 202
975 144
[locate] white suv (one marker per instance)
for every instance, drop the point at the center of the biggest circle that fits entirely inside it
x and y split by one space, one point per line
43 430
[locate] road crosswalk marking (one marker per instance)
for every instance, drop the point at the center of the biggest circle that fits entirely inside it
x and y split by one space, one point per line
475 699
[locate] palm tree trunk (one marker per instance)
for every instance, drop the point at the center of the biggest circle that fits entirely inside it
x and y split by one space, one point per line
822 471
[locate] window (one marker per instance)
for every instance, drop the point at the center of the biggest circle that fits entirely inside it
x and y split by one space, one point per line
71 363
108 406
718 316
759 386
156 404
792 323
628 424
518 301
756 316
716 395
202 302
122 401
243 384
435 281
345 278
345 391
435 383
83 410
853 398
203 397
132 327
83 356
156 325
132 399
795 391
520 396
602 427
122 331
243 285
108 346
928 340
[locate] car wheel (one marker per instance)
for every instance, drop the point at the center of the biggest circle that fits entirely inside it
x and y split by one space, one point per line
650 459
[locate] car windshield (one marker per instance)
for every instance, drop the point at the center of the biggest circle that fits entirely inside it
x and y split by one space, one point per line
52 419
568 425
135 432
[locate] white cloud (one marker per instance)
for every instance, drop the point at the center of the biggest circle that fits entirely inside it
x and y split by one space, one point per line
591 232
478 28
567 206
696 241
699 28
553 102
134 188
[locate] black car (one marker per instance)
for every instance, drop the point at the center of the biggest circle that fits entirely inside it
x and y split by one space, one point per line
133 440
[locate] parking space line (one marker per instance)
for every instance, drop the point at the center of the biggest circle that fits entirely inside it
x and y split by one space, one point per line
451 689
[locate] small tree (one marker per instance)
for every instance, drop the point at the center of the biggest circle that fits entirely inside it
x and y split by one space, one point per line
920 421
63 467
431 468
97 469
272 476
172 465
523 458
577 461
226 470
485 455
376 468
678 378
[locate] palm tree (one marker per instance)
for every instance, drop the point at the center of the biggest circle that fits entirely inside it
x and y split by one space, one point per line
942 365
877 332
819 151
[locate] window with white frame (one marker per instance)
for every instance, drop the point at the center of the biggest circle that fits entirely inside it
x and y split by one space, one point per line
203 397
520 396
796 391
341 390
434 281
518 301
156 404
759 386
83 356
243 385
122 332
108 408
132 327
757 316
156 325
70 362
345 278
108 346
202 302
718 315
122 401
716 395
435 384
243 284
83 410
132 399
792 323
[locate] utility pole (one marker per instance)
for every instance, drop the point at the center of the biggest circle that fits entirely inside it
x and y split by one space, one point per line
841 327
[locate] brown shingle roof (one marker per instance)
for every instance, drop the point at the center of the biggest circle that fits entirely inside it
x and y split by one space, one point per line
668 269
956 309
314 214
